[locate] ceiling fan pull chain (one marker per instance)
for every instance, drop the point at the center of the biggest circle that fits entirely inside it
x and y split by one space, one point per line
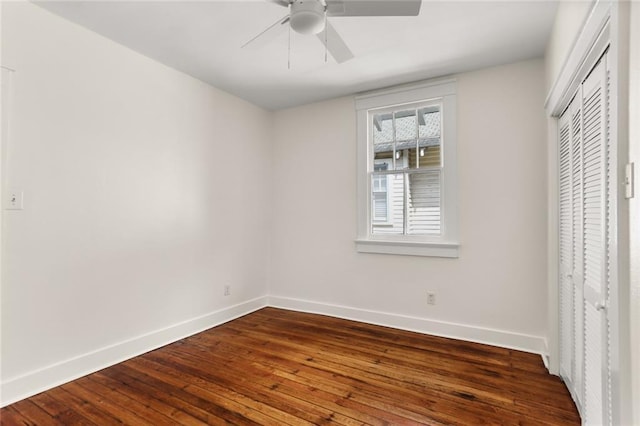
289 50
326 43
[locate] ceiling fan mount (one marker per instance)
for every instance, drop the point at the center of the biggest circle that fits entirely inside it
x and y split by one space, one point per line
309 17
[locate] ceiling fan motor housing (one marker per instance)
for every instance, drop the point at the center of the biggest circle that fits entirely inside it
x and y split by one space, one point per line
307 16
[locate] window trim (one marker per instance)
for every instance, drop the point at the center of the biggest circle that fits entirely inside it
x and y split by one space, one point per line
446 244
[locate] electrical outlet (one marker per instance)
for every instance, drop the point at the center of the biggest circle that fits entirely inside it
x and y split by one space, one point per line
227 290
431 298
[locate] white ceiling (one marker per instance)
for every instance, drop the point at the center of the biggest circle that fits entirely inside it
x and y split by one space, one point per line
203 39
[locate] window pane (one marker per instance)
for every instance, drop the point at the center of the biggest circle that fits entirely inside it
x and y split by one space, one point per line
389 203
406 130
407 202
430 122
406 126
382 125
382 128
379 183
428 152
424 205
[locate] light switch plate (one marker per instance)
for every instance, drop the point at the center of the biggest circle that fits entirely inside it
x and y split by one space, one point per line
14 199
628 181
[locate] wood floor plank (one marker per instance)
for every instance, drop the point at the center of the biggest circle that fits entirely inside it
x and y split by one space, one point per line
32 412
279 367
85 390
12 416
150 398
223 396
87 408
261 378
60 413
120 399
177 397
256 389
331 382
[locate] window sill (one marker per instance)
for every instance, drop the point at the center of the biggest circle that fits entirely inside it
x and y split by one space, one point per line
408 248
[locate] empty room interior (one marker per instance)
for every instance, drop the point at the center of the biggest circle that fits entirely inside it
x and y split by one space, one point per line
298 212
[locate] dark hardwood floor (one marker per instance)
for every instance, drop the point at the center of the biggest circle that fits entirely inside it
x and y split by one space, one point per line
277 367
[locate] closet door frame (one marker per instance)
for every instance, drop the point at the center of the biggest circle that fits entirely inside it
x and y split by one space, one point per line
606 27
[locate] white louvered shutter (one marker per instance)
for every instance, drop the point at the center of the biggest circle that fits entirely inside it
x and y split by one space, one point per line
566 262
595 190
577 274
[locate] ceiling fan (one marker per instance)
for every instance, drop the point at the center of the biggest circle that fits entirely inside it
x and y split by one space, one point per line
310 17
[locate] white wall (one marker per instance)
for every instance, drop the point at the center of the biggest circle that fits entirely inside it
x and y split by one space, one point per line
495 291
570 17
145 192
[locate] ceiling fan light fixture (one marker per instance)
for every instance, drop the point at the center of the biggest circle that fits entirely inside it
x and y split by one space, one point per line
307 16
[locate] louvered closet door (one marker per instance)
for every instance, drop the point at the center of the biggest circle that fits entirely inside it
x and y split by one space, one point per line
577 245
595 250
567 352
585 225
571 249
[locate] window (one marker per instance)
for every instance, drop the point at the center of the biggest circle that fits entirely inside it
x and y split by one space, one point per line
407 171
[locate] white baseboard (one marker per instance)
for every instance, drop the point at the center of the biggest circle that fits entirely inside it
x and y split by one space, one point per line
501 338
48 377
37 381
545 358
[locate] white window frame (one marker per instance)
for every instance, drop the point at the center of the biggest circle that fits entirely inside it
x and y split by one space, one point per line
446 244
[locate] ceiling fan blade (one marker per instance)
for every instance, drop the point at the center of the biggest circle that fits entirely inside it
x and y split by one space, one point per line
373 7
335 44
269 34
284 3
